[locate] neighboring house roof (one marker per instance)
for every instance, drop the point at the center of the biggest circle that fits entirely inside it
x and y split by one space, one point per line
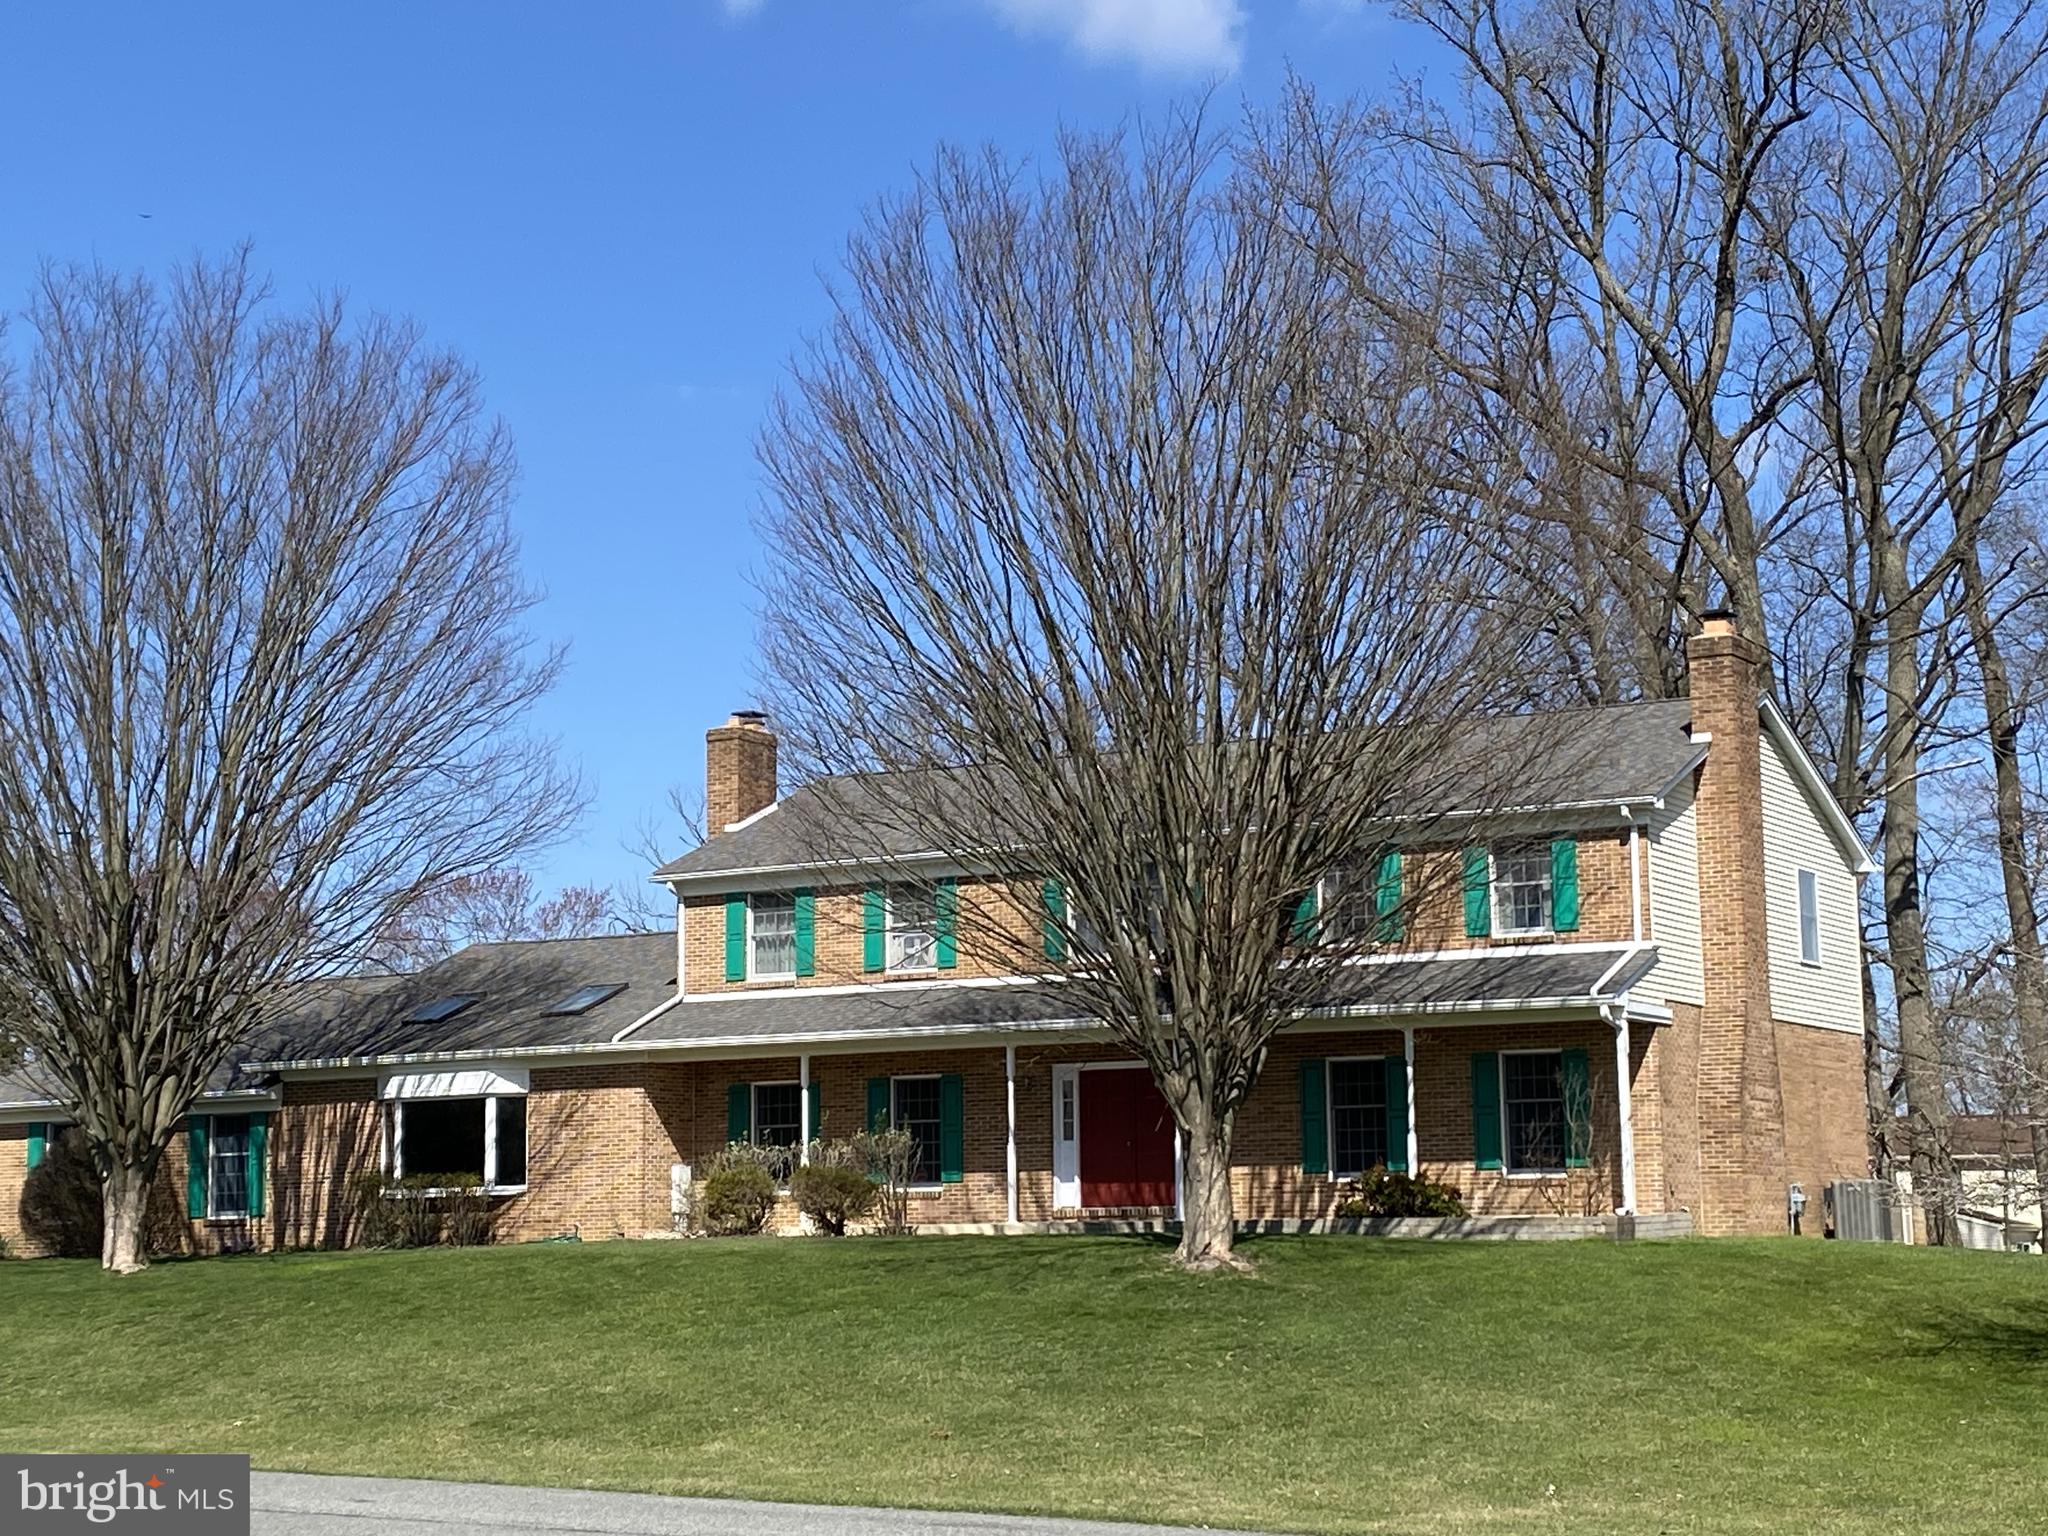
1622 754
1990 1138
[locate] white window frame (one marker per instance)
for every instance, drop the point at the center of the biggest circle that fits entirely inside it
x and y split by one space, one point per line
754 971
754 1110
213 1211
1066 1137
896 1122
395 1153
1330 1112
1806 904
1506 1139
1496 884
891 964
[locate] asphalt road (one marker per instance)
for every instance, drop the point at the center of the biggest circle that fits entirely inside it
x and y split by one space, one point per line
292 1504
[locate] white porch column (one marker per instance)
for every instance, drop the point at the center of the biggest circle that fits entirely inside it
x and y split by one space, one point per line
1628 1119
1010 1133
1414 1140
803 1104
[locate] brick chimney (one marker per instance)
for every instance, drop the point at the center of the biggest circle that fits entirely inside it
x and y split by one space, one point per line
739 770
1740 1100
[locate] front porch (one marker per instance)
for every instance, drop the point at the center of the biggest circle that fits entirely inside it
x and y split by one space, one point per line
1526 1119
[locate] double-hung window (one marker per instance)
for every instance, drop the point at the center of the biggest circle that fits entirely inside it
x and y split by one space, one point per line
1521 889
227 1167
771 934
1533 1110
224 1166
1358 1116
913 928
778 1119
1809 918
914 1107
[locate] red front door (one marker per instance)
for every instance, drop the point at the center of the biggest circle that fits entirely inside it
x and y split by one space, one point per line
1126 1140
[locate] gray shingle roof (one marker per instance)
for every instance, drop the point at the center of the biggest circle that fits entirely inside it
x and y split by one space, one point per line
1618 754
515 984
1421 985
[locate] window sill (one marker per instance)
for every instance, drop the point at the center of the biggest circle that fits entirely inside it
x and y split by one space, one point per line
491 1191
1524 935
1538 1175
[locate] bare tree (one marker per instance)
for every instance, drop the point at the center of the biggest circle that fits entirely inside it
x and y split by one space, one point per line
638 904
490 907
1097 519
261 675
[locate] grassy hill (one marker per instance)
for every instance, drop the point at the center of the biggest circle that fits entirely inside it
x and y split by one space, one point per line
1352 1385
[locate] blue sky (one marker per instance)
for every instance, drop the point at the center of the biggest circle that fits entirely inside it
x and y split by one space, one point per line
621 213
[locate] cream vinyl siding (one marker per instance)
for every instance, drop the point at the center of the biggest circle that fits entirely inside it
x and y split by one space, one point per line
1828 995
1675 902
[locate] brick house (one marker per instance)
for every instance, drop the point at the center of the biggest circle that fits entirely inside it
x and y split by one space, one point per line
1645 998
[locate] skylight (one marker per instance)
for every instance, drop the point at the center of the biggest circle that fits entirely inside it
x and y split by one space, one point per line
583 999
441 1008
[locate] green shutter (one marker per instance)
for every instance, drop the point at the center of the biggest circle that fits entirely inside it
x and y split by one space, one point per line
735 938
1315 1118
874 922
952 1129
1564 885
259 1138
1055 920
1386 898
38 1140
806 933
1397 1113
195 1167
1478 909
878 1103
816 1096
1578 1108
739 1112
1302 930
1486 1109
946 907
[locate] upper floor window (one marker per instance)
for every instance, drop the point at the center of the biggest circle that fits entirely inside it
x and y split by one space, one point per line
1809 917
913 928
771 934
1521 888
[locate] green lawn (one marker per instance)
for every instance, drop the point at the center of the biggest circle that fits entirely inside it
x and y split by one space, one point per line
1352 1385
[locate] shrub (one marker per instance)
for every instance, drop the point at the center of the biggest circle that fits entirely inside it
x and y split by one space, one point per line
60 1199
832 1194
422 1210
886 1160
465 1210
736 1200
1385 1193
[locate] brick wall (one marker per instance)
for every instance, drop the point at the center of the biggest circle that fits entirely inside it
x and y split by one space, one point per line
1001 930
1826 1135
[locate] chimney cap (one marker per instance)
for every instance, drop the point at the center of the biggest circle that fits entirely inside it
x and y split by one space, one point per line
1719 621
752 717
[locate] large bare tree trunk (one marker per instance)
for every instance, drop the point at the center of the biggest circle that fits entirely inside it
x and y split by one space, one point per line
2029 971
125 1191
1208 1232
1905 919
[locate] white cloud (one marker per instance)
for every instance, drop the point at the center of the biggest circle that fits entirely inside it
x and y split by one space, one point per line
1176 36
1182 36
